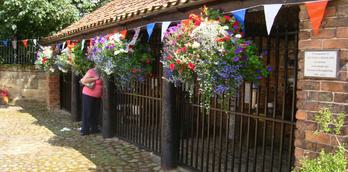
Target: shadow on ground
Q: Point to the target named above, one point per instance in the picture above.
(106, 154)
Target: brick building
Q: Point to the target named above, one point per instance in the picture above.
(272, 127)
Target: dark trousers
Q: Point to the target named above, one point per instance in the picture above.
(91, 107)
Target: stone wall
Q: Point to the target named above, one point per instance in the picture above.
(24, 82)
(314, 94)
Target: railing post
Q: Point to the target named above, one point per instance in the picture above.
(108, 102)
(75, 98)
(170, 140)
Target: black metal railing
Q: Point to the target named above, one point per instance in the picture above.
(138, 114)
(256, 131)
(20, 55)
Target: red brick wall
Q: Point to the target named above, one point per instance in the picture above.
(53, 98)
(314, 94)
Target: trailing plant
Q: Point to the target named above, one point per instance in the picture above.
(45, 59)
(80, 63)
(326, 161)
(210, 49)
(107, 53)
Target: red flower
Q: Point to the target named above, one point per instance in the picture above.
(44, 60)
(172, 66)
(191, 66)
(235, 23)
(178, 51)
(183, 49)
(134, 70)
(228, 18)
(178, 61)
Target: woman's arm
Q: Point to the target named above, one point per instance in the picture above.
(88, 79)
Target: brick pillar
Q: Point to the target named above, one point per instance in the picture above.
(53, 98)
(313, 94)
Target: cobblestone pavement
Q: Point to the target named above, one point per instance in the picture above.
(31, 140)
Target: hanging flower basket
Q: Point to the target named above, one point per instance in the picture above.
(45, 60)
(113, 58)
(210, 49)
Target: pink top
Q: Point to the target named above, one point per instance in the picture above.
(97, 90)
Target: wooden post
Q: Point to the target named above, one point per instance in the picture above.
(108, 111)
(75, 98)
(170, 139)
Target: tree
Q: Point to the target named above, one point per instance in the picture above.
(34, 18)
(38, 18)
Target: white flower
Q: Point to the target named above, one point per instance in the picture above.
(116, 37)
(196, 45)
(238, 36)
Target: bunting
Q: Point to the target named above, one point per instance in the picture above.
(124, 33)
(165, 26)
(239, 15)
(316, 12)
(5, 42)
(25, 43)
(35, 42)
(135, 36)
(271, 12)
(83, 44)
(149, 28)
(14, 44)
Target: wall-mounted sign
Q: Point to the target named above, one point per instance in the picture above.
(321, 64)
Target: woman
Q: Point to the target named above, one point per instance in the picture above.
(91, 98)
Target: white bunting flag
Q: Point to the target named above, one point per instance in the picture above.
(63, 46)
(165, 26)
(271, 12)
(134, 39)
(14, 44)
(83, 44)
(135, 36)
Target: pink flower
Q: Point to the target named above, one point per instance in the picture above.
(191, 66)
(178, 61)
(169, 57)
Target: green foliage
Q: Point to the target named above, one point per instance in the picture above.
(327, 162)
(37, 18)
(34, 18)
(80, 62)
(328, 123)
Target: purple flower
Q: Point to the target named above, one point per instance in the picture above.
(220, 89)
(238, 50)
(258, 71)
(265, 53)
(247, 43)
(236, 59)
(259, 77)
(269, 68)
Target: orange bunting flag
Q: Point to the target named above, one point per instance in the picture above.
(25, 43)
(124, 33)
(316, 12)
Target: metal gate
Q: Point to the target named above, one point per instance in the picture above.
(257, 132)
(138, 106)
